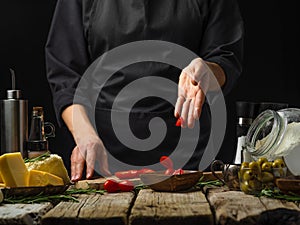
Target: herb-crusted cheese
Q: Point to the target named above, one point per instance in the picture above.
(41, 178)
(53, 164)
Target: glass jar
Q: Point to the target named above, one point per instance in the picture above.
(275, 134)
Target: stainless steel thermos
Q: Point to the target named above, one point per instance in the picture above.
(13, 122)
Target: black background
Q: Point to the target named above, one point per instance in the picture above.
(271, 58)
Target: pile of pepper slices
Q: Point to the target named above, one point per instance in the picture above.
(125, 184)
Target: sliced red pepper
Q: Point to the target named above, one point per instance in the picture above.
(111, 186)
(169, 171)
(145, 170)
(179, 122)
(126, 185)
(166, 162)
(128, 174)
(178, 172)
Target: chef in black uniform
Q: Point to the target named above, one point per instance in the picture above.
(83, 30)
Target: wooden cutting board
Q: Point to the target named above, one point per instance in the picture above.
(99, 182)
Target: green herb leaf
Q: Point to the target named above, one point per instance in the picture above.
(277, 194)
(39, 158)
(40, 198)
(202, 183)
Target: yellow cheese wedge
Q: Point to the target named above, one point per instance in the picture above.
(40, 178)
(2, 185)
(53, 164)
(13, 170)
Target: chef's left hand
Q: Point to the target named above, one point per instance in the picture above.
(192, 87)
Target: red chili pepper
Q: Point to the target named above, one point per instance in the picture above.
(179, 122)
(166, 162)
(169, 171)
(178, 172)
(126, 185)
(145, 170)
(111, 186)
(128, 174)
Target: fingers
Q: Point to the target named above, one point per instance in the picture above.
(185, 112)
(90, 162)
(189, 109)
(104, 164)
(178, 106)
(77, 164)
(184, 106)
(191, 119)
(199, 100)
(87, 156)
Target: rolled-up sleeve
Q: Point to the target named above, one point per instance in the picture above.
(222, 42)
(66, 54)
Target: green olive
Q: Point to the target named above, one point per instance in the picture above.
(266, 166)
(248, 175)
(278, 163)
(255, 185)
(255, 168)
(245, 165)
(261, 161)
(244, 186)
(267, 177)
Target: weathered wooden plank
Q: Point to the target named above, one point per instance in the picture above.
(166, 208)
(92, 209)
(271, 204)
(235, 207)
(12, 214)
(279, 212)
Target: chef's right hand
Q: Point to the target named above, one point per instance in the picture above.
(89, 150)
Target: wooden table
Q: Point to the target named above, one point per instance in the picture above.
(210, 206)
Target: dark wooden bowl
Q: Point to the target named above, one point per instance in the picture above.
(158, 181)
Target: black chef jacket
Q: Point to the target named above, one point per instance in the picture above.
(82, 30)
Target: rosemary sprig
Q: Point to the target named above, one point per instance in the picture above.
(202, 183)
(140, 187)
(39, 158)
(40, 198)
(73, 191)
(277, 194)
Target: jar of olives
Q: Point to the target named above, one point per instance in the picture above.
(275, 134)
(260, 174)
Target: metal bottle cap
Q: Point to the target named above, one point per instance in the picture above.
(13, 94)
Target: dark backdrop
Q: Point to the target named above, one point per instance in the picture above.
(270, 65)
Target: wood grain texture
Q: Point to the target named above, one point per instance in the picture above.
(235, 207)
(26, 214)
(166, 208)
(104, 209)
